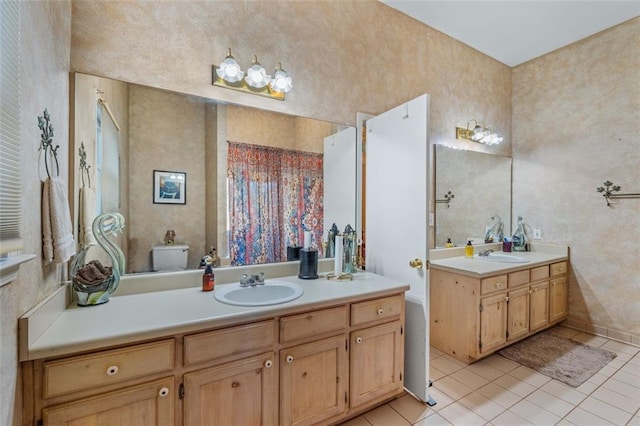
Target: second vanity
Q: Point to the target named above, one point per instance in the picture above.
(479, 306)
(178, 356)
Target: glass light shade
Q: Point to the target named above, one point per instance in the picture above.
(281, 82)
(229, 70)
(256, 75)
(478, 133)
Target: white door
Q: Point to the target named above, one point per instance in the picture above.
(396, 221)
(340, 180)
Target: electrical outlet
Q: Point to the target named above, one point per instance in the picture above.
(537, 235)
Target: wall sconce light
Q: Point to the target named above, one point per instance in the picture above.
(255, 80)
(480, 133)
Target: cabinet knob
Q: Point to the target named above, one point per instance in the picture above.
(235, 384)
(498, 285)
(268, 363)
(112, 371)
(380, 311)
(358, 339)
(553, 284)
(289, 359)
(164, 392)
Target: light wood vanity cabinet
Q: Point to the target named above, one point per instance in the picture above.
(472, 318)
(314, 367)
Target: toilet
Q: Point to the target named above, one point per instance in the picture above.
(170, 258)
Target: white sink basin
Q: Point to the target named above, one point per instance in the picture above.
(270, 293)
(505, 258)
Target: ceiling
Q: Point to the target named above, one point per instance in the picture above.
(516, 31)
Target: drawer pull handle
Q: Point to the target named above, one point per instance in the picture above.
(268, 363)
(112, 371)
(358, 339)
(498, 285)
(235, 384)
(289, 359)
(380, 311)
(164, 392)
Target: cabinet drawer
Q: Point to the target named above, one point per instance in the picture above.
(108, 367)
(376, 310)
(313, 323)
(518, 278)
(539, 273)
(218, 344)
(491, 284)
(558, 268)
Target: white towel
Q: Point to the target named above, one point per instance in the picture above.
(86, 215)
(58, 244)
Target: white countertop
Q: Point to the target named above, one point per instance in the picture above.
(134, 317)
(480, 268)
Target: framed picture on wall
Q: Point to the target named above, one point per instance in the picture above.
(169, 187)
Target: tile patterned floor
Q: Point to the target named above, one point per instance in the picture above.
(497, 391)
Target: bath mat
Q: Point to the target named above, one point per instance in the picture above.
(569, 362)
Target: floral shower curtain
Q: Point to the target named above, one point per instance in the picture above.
(275, 195)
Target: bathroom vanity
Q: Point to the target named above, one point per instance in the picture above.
(479, 306)
(180, 357)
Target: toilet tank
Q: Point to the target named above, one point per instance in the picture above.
(170, 258)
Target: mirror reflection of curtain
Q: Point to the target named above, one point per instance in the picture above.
(274, 196)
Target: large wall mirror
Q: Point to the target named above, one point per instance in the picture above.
(470, 188)
(159, 132)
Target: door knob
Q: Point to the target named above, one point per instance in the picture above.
(416, 263)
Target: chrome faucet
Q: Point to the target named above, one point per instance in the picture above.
(485, 252)
(252, 280)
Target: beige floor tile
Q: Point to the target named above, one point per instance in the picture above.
(433, 420)
(564, 331)
(441, 398)
(631, 369)
(411, 408)
(452, 387)
(622, 388)
(616, 347)
(626, 377)
(485, 370)
(606, 411)
(499, 395)
(635, 421)
(617, 362)
(534, 413)
(435, 352)
(635, 360)
(626, 403)
(587, 387)
(446, 364)
(608, 371)
(550, 403)
(500, 363)
(482, 406)
(564, 392)
(358, 421)
(581, 417)
(590, 339)
(458, 414)
(385, 416)
(529, 376)
(565, 422)
(514, 385)
(598, 379)
(434, 373)
(469, 378)
(509, 419)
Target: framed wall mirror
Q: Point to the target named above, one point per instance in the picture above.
(162, 130)
(470, 188)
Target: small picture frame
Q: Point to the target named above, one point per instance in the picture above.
(169, 187)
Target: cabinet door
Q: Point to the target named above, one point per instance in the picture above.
(518, 314)
(539, 306)
(313, 381)
(377, 355)
(147, 404)
(493, 322)
(558, 299)
(237, 393)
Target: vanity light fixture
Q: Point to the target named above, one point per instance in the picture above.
(255, 80)
(480, 133)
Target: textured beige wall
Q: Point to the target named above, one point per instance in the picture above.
(167, 132)
(45, 38)
(576, 113)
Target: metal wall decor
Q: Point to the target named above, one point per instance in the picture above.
(609, 191)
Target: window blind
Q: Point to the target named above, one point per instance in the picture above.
(10, 186)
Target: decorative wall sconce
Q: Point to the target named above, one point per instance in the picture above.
(609, 189)
(447, 198)
(480, 133)
(255, 80)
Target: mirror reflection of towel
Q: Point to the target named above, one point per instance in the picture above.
(86, 215)
(58, 244)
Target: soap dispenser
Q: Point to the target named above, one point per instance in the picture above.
(468, 250)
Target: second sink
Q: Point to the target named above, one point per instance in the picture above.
(270, 293)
